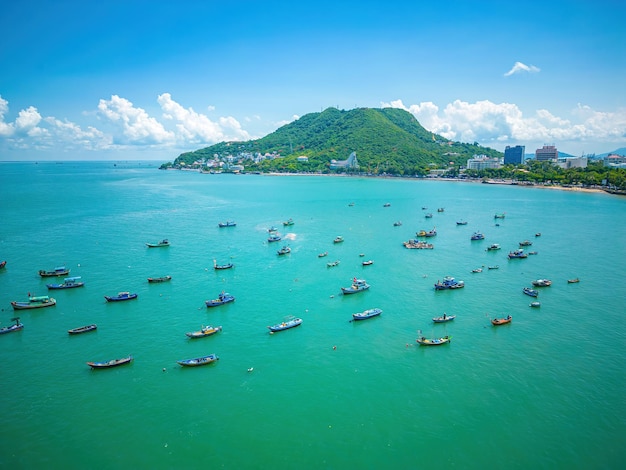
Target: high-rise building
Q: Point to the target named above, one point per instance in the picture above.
(514, 155)
(547, 153)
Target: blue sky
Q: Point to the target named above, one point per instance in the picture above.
(150, 79)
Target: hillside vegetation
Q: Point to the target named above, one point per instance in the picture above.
(385, 140)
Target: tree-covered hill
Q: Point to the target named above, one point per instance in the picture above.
(385, 140)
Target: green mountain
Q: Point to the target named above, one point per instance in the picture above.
(385, 140)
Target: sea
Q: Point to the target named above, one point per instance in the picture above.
(545, 391)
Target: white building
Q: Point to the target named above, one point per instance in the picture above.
(482, 162)
(574, 162)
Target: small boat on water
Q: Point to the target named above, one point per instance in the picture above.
(11, 328)
(34, 302)
(120, 297)
(370, 313)
(111, 363)
(535, 304)
(332, 264)
(3, 264)
(444, 318)
(68, 283)
(477, 236)
(441, 209)
(416, 244)
(573, 281)
(532, 252)
(288, 222)
(222, 266)
(198, 361)
(477, 270)
(517, 254)
(538, 234)
(159, 279)
(204, 332)
(321, 255)
(289, 322)
(501, 321)
(461, 222)
(338, 239)
(222, 299)
(274, 237)
(493, 267)
(529, 291)
(428, 215)
(542, 283)
(272, 229)
(427, 233)
(525, 243)
(449, 283)
(387, 204)
(493, 247)
(284, 250)
(358, 285)
(433, 341)
(82, 329)
(367, 263)
(59, 271)
(161, 244)
(499, 216)
(397, 224)
(228, 223)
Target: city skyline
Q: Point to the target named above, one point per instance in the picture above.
(149, 80)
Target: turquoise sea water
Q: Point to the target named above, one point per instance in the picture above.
(545, 391)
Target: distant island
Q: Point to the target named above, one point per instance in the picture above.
(379, 142)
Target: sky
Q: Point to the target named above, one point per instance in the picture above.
(148, 80)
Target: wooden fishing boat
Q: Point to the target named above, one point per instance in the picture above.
(501, 321)
(332, 264)
(68, 283)
(493, 267)
(370, 313)
(34, 302)
(3, 264)
(358, 285)
(204, 332)
(493, 247)
(321, 255)
(573, 281)
(529, 291)
(422, 341)
(444, 318)
(290, 322)
(120, 297)
(111, 363)
(198, 361)
(477, 236)
(222, 299)
(161, 244)
(59, 271)
(449, 283)
(82, 329)
(222, 266)
(159, 279)
(535, 304)
(11, 328)
(274, 237)
(284, 250)
(228, 223)
(338, 239)
(288, 222)
(542, 283)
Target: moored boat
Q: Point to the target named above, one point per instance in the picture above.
(82, 329)
(111, 363)
(428, 216)
(228, 223)
(59, 271)
(222, 299)
(427, 233)
(332, 264)
(449, 283)
(222, 266)
(3, 264)
(477, 236)
(529, 291)
(288, 222)
(501, 321)
(461, 222)
(444, 318)
(284, 250)
(121, 296)
(338, 239)
(517, 254)
(493, 247)
(535, 304)
(525, 243)
(542, 283)
(321, 255)
(367, 263)
(198, 361)
(204, 332)
(289, 322)
(573, 281)
(11, 328)
(358, 285)
(477, 270)
(422, 341)
(499, 216)
(159, 279)
(418, 245)
(274, 237)
(493, 267)
(163, 243)
(397, 223)
(369, 313)
(34, 302)
(68, 283)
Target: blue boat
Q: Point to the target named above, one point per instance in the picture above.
(68, 283)
(198, 361)
(222, 266)
(120, 297)
(274, 237)
(478, 236)
(284, 250)
(529, 291)
(111, 363)
(370, 313)
(434, 341)
(222, 299)
(11, 328)
(290, 322)
(358, 285)
(517, 254)
(449, 283)
(444, 318)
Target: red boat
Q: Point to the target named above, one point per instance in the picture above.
(501, 321)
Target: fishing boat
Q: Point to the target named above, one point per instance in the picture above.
(3, 264)
(272, 229)
(477, 236)
(433, 341)
(493, 247)
(321, 255)
(397, 224)
(538, 234)
(573, 281)
(529, 291)
(284, 250)
(427, 233)
(428, 215)
(290, 322)
(274, 237)
(289, 222)
(493, 267)
(461, 222)
(367, 263)
(161, 244)
(59, 271)
(111, 363)
(338, 239)
(222, 299)
(387, 204)
(82, 329)
(358, 285)
(121, 296)
(532, 252)
(332, 264)
(198, 361)
(11, 328)
(499, 216)
(501, 321)
(34, 302)
(159, 279)
(444, 318)
(204, 332)
(517, 254)
(542, 283)
(228, 223)
(418, 245)
(525, 243)
(535, 304)
(222, 266)
(370, 313)
(477, 270)
(68, 283)
(449, 283)
(441, 209)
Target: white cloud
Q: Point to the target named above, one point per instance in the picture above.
(5, 129)
(520, 67)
